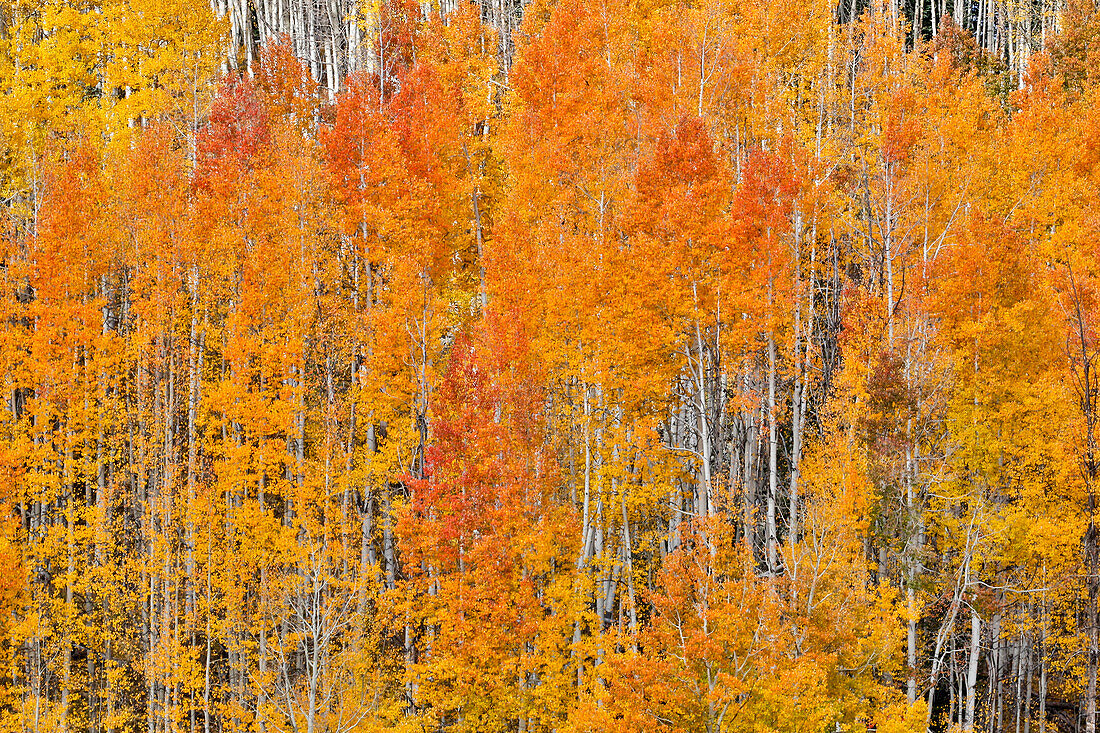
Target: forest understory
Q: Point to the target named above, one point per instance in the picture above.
(549, 365)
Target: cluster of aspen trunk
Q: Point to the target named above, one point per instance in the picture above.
(328, 35)
(677, 366)
(335, 38)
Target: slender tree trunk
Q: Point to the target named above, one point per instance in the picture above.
(1082, 365)
(772, 540)
(797, 397)
(972, 670)
(1028, 667)
(773, 463)
(750, 453)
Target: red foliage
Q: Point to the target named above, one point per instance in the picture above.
(285, 85)
(484, 466)
(237, 131)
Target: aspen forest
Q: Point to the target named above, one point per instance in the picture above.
(564, 366)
